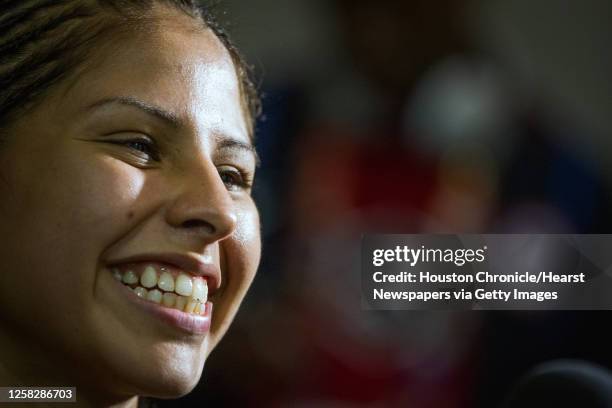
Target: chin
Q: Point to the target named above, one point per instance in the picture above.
(173, 388)
(167, 379)
(170, 385)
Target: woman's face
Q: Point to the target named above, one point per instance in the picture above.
(138, 161)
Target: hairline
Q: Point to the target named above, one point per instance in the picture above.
(116, 23)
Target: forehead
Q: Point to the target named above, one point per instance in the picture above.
(175, 63)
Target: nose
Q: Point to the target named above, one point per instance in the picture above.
(202, 206)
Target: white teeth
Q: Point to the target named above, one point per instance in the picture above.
(200, 290)
(117, 274)
(169, 299)
(193, 291)
(166, 282)
(154, 296)
(140, 292)
(149, 277)
(181, 301)
(130, 278)
(184, 285)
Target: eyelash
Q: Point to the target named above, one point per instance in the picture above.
(240, 179)
(150, 149)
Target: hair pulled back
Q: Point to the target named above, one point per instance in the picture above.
(43, 42)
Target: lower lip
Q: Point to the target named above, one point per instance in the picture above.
(187, 322)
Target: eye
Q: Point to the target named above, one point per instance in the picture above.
(235, 179)
(143, 147)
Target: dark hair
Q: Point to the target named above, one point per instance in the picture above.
(42, 42)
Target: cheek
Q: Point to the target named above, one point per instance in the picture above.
(82, 204)
(246, 241)
(239, 261)
(61, 217)
(102, 197)
(241, 253)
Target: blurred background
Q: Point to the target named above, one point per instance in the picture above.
(451, 116)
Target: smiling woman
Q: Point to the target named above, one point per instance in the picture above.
(126, 166)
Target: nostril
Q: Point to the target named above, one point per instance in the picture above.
(199, 224)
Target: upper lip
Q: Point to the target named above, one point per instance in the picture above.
(189, 263)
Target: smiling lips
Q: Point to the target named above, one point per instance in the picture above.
(165, 286)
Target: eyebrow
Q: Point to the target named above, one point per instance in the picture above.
(222, 142)
(231, 143)
(162, 114)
